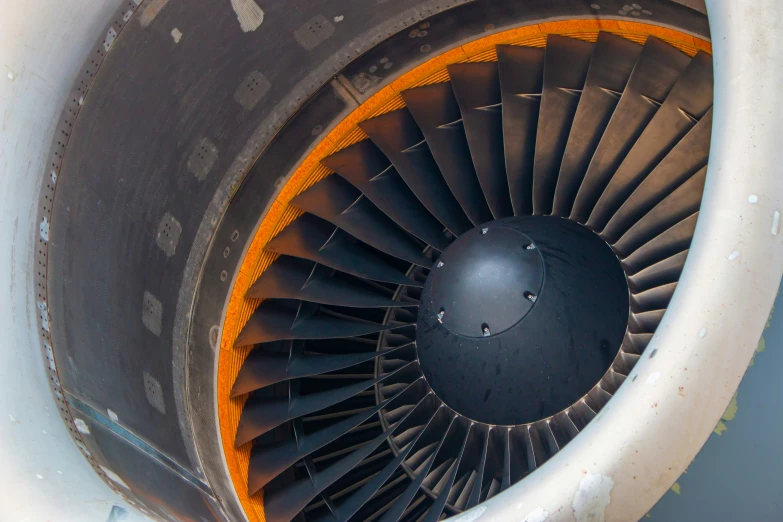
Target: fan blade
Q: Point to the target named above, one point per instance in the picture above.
(358, 499)
(435, 109)
(653, 299)
(401, 140)
(366, 168)
(645, 322)
(267, 462)
(338, 202)
(477, 89)
(611, 64)
(262, 369)
(661, 273)
(521, 71)
(681, 203)
(565, 71)
(283, 505)
(686, 157)
(310, 237)
(295, 278)
(658, 68)
(672, 241)
(475, 494)
(274, 322)
(433, 515)
(261, 415)
(400, 505)
(685, 107)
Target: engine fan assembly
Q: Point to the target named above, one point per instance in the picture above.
(462, 275)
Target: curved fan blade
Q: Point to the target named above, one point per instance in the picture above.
(475, 493)
(398, 508)
(283, 505)
(434, 513)
(310, 237)
(688, 103)
(358, 499)
(295, 278)
(646, 322)
(521, 72)
(653, 299)
(435, 109)
(364, 166)
(565, 71)
(339, 202)
(262, 369)
(678, 205)
(661, 273)
(687, 157)
(267, 462)
(658, 68)
(672, 241)
(278, 320)
(477, 89)
(611, 64)
(401, 140)
(260, 415)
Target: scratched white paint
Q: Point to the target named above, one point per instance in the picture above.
(702, 333)
(775, 223)
(592, 498)
(652, 378)
(734, 255)
(537, 515)
(250, 16)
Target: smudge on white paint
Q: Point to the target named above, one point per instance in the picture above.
(652, 378)
(592, 498)
(250, 16)
(734, 255)
(12, 419)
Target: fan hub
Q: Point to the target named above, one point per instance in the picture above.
(520, 318)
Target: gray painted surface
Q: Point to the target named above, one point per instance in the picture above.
(736, 476)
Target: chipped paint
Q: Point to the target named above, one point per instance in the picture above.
(114, 477)
(44, 315)
(338, 19)
(728, 415)
(250, 16)
(653, 378)
(753, 199)
(82, 426)
(734, 255)
(113, 416)
(702, 333)
(151, 10)
(111, 35)
(676, 488)
(470, 516)
(775, 223)
(760, 347)
(176, 34)
(537, 515)
(592, 498)
(43, 229)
